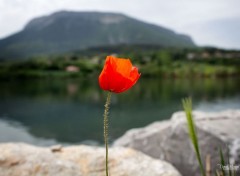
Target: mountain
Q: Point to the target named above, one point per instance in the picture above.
(67, 31)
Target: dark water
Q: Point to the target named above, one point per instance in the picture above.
(69, 111)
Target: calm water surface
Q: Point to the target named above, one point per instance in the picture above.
(69, 111)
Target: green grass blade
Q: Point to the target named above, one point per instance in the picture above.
(187, 105)
(222, 162)
(229, 171)
(234, 173)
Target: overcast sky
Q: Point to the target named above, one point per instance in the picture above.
(208, 22)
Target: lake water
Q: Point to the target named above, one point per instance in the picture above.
(69, 111)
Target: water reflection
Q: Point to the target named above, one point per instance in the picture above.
(70, 111)
(14, 131)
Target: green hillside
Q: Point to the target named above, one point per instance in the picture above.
(68, 31)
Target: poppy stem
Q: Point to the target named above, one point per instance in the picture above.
(105, 121)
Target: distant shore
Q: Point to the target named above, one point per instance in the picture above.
(152, 62)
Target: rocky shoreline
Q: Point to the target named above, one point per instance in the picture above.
(19, 159)
(165, 145)
(168, 140)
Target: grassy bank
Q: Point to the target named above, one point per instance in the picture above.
(151, 62)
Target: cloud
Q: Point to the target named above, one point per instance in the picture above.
(222, 32)
(181, 15)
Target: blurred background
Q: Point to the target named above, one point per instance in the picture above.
(51, 53)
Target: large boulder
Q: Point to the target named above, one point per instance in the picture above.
(169, 140)
(26, 160)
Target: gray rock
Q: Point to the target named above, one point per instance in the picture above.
(169, 139)
(25, 160)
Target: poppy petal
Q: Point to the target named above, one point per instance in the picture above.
(118, 75)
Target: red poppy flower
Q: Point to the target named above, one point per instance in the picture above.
(118, 75)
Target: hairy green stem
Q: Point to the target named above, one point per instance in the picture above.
(105, 121)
